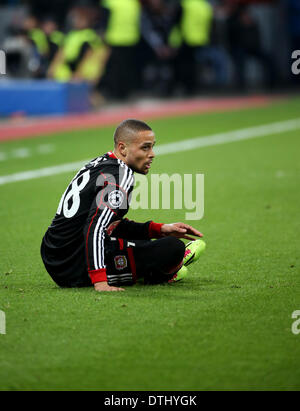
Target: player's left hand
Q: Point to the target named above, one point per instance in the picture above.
(180, 230)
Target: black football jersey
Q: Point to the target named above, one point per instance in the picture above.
(97, 198)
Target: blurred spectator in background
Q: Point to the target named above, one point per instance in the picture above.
(55, 8)
(27, 49)
(245, 42)
(213, 60)
(36, 35)
(54, 37)
(163, 47)
(19, 53)
(121, 27)
(191, 33)
(155, 53)
(294, 23)
(82, 57)
(38, 39)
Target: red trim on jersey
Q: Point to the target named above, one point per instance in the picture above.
(106, 183)
(111, 155)
(98, 276)
(112, 227)
(155, 230)
(104, 176)
(117, 185)
(121, 242)
(104, 204)
(132, 263)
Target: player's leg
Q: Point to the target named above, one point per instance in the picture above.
(154, 261)
(157, 261)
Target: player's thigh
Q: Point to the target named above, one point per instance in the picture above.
(160, 254)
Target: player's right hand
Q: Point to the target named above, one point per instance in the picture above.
(180, 230)
(103, 286)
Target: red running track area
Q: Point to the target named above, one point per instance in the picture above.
(16, 129)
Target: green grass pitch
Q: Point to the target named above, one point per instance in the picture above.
(227, 327)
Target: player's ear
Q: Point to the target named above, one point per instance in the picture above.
(122, 148)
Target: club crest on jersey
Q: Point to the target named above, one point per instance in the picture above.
(115, 198)
(120, 262)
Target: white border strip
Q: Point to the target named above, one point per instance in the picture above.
(184, 145)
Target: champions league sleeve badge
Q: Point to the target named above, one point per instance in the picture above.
(115, 198)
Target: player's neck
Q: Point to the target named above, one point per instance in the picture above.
(119, 156)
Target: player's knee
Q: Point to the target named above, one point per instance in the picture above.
(176, 248)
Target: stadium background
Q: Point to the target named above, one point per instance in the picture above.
(243, 46)
(228, 326)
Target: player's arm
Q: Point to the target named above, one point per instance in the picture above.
(132, 230)
(110, 203)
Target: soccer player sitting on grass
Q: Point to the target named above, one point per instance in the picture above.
(91, 243)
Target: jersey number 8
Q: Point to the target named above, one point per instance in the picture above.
(71, 208)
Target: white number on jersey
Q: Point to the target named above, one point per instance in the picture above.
(73, 194)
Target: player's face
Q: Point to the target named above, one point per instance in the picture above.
(140, 152)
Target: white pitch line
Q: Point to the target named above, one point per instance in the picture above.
(42, 172)
(184, 145)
